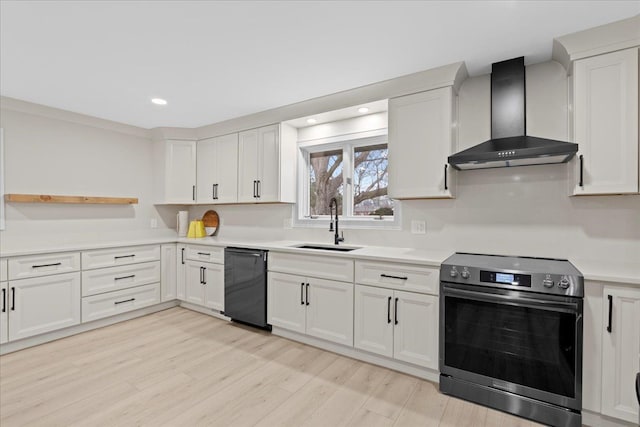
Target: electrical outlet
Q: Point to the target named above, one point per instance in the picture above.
(154, 223)
(418, 227)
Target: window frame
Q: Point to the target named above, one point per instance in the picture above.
(347, 143)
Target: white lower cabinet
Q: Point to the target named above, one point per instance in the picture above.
(43, 304)
(620, 352)
(317, 307)
(181, 272)
(398, 324)
(4, 313)
(111, 303)
(204, 284)
(168, 274)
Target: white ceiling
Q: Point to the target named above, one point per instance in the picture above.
(218, 60)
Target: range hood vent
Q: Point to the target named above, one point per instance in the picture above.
(509, 144)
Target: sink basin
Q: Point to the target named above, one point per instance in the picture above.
(335, 248)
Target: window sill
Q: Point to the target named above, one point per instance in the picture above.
(347, 224)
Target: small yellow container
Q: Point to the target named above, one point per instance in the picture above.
(196, 229)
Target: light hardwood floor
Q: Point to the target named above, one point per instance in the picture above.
(181, 368)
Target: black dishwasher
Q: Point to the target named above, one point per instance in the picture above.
(245, 286)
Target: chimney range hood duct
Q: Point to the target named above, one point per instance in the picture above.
(509, 144)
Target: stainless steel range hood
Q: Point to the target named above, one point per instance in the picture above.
(509, 144)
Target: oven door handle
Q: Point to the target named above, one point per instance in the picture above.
(520, 301)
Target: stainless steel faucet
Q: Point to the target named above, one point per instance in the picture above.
(337, 237)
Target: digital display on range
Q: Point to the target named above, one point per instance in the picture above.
(505, 278)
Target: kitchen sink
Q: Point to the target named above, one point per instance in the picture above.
(335, 248)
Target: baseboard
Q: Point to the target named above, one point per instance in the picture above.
(204, 310)
(12, 346)
(354, 353)
(593, 419)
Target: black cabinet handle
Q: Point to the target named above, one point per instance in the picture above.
(213, 191)
(46, 265)
(610, 312)
(389, 310)
(581, 184)
(395, 312)
(201, 275)
(302, 293)
(204, 253)
(307, 294)
(446, 187)
(394, 277)
(13, 298)
(4, 300)
(217, 192)
(123, 256)
(204, 275)
(255, 193)
(122, 302)
(125, 277)
(193, 192)
(258, 189)
(182, 255)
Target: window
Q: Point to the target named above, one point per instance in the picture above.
(355, 172)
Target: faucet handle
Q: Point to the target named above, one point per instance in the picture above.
(331, 226)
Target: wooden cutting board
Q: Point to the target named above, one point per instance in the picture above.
(211, 219)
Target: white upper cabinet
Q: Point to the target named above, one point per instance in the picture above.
(266, 165)
(421, 137)
(217, 167)
(605, 108)
(175, 171)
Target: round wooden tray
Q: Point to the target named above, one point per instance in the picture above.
(211, 222)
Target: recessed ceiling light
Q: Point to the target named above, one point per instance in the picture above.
(363, 110)
(311, 121)
(159, 101)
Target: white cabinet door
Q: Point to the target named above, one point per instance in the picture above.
(247, 165)
(227, 169)
(180, 172)
(168, 272)
(420, 140)
(207, 172)
(373, 320)
(416, 329)
(181, 272)
(213, 277)
(4, 313)
(268, 164)
(620, 352)
(330, 310)
(286, 306)
(217, 180)
(43, 304)
(606, 123)
(194, 285)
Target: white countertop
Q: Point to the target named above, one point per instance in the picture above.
(628, 273)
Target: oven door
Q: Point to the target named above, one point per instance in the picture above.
(524, 343)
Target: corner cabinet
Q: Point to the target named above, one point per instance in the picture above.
(605, 109)
(421, 137)
(266, 164)
(175, 171)
(217, 170)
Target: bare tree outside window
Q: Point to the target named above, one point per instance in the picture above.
(325, 181)
(369, 179)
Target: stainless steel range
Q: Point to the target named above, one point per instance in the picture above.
(511, 335)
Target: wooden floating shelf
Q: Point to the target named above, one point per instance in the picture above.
(46, 198)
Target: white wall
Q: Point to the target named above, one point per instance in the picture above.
(47, 154)
(522, 211)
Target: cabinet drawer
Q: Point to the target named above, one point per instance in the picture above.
(3, 270)
(112, 303)
(205, 253)
(121, 277)
(43, 265)
(119, 256)
(332, 268)
(398, 276)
